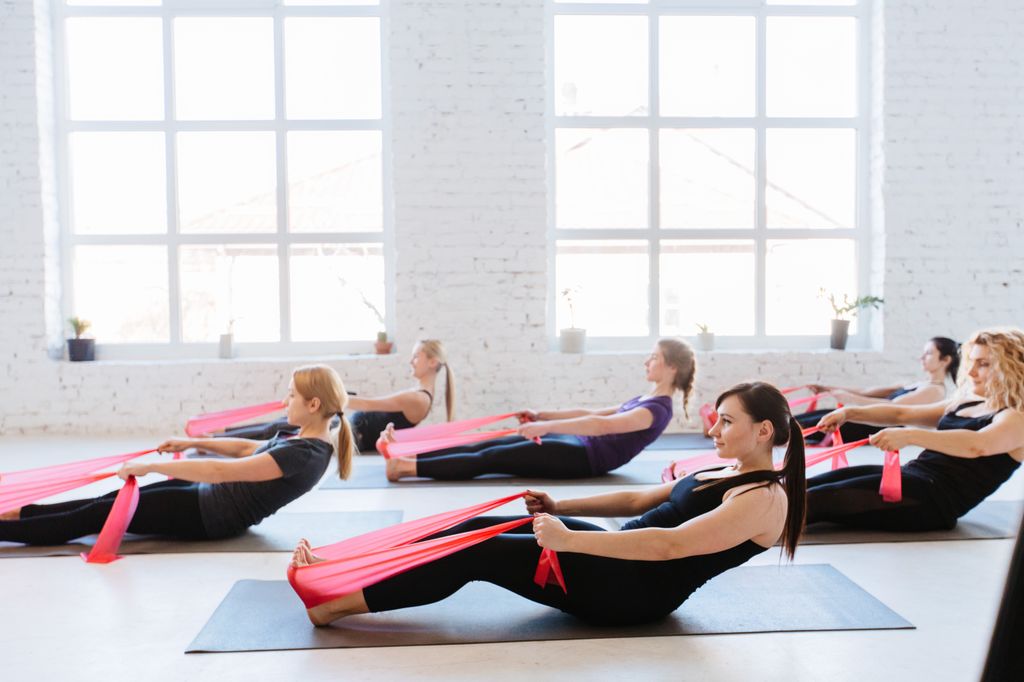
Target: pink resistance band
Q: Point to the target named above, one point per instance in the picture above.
(116, 525)
(419, 439)
(365, 560)
(205, 424)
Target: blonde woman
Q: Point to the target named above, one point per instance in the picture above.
(405, 409)
(218, 498)
(978, 444)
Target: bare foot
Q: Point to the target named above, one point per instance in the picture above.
(12, 515)
(399, 467)
(303, 555)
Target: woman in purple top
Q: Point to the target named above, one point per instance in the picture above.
(574, 443)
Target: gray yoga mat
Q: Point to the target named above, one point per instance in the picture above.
(266, 615)
(990, 520)
(278, 533)
(371, 475)
(682, 441)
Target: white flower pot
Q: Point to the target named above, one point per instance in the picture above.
(227, 346)
(706, 341)
(572, 340)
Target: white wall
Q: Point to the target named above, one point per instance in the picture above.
(470, 211)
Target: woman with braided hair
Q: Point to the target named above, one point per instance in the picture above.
(575, 443)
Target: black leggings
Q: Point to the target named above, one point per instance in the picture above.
(168, 508)
(849, 496)
(261, 431)
(600, 590)
(850, 431)
(557, 456)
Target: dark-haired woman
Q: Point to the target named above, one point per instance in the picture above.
(574, 443)
(687, 532)
(939, 359)
(973, 444)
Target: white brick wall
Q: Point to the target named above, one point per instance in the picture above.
(470, 210)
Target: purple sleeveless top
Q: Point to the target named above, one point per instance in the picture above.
(612, 451)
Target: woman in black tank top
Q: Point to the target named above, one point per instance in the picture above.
(939, 359)
(688, 532)
(977, 446)
(405, 409)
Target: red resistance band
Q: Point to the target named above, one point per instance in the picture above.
(358, 562)
(205, 424)
(418, 439)
(31, 485)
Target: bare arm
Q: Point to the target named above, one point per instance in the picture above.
(873, 392)
(262, 467)
(228, 447)
(755, 514)
(551, 415)
(1004, 434)
(637, 419)
(888, 414)
(413, 403)
(620, 503)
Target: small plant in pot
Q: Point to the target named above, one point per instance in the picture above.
(840, 323)
(705, 337)
(572, 339)
(79, 349)
(383, 346)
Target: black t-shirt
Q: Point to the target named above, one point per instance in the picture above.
(229, 508)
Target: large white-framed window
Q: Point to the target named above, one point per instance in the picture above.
(709, 164)
(224, 167)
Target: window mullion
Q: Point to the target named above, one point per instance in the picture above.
(654, 178)
(171, 166)
(760, 175)
(280, 138)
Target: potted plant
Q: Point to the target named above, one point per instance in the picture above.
(706, 337)
(840, 324)
(383, 346)
(227, 341)
(572, 339)
(80, 349)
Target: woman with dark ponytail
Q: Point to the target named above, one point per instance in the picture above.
(686, 532)
(940, 360)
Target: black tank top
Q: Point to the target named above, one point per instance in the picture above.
(898, 392)
(686, 502)
(961, 482)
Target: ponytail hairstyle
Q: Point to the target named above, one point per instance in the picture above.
(433, 349)
(764, 402)
(321, 381)
(679, 355)
(948, 348)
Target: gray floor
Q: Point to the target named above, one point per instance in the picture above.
(63, 619)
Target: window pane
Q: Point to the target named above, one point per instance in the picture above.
(707, 178)
(337, 292)
(122, 290)
(118, 183)
(601, 178)
(229, 287)
(811, 178)
(707, 66)
(330, 3)
(334, 182)
(795, 272)
(332, 67)
(224, 68)
(691, 290)
(600, 66)
(811, 66)
(226, 182)
(609, 281)
(115, 69)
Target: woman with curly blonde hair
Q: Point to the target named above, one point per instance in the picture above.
(978, 444)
